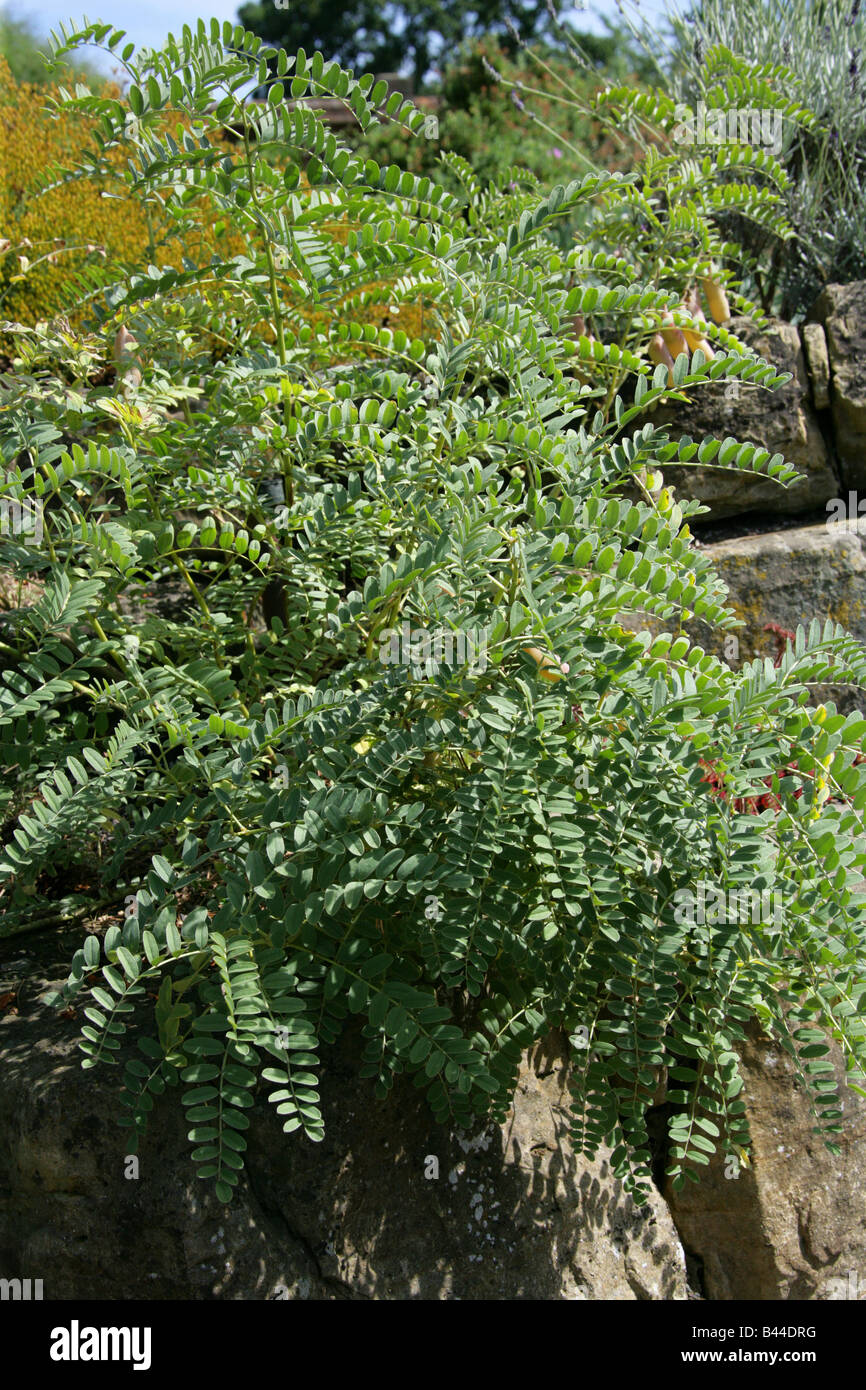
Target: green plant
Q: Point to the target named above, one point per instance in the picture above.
(481, 123)
(27, 55)
(707, 206)
(341, 782)
(814, 51)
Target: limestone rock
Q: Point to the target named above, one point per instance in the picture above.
(512, 1213)
(782, 421)
(842, 310)
(793, 1225)
(790, 577)
(818, 363)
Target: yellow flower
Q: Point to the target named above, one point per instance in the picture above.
(664, 502)
(822, 790)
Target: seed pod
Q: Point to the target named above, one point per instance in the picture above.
(691, 306)
(674, 337)
(128, 370)
(659, 355)
(696, 339)
(124, 343)
(578, 323)
(717, 300)
(549, 667)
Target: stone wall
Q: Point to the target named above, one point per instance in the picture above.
(791, 554)
(392, 1205)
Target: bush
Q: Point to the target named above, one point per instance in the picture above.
(716, 156)
(479, 121)
(51, 229)
(328, 696)
(814, 52)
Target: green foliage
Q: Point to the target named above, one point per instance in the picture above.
(28, 56)
(815, 51)
(478, 121)
(328, 690)
(699, 204)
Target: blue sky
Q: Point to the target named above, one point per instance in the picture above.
(148, 22)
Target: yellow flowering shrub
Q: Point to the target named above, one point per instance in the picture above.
(75, 223)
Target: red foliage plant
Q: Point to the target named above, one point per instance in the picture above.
(754, 805)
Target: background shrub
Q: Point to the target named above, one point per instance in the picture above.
(815, 51)
(480, 121)
(65, 226)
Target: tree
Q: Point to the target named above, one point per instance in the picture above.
(405, 36)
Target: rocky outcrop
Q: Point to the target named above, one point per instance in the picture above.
(817, 421)
(792, 576)
(793, 1224)
(391, 1205)
(782, 421)
(817, 363)
(842, 311)
(788, 578)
